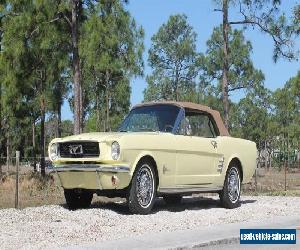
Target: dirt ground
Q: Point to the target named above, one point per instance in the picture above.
(272, 182)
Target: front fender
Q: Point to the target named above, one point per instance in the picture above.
(138, 158)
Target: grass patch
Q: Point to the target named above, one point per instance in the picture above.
(272, 182)
(34, 190)
(295, 193)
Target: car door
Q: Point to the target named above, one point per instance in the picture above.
(197, 157)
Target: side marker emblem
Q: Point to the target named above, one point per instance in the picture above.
(221, 165)
(165, 169)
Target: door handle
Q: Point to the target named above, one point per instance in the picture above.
(214, 143)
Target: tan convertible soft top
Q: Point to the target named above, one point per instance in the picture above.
(194, 106)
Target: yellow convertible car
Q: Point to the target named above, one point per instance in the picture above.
(162, 149)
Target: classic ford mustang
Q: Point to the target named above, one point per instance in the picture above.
(166, 149)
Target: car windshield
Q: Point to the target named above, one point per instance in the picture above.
(150, 118)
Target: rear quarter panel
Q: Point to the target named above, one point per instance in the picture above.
(244, 150)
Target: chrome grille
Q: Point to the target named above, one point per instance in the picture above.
(79, 149)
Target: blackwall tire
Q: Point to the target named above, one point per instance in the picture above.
(230, 195)
(142, 191)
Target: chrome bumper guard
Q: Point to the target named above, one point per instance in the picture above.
(97, 168)
(89, 168)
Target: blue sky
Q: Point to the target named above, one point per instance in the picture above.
(151, 14)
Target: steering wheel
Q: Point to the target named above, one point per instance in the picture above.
(168, 128)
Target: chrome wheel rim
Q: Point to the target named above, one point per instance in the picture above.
(145, 186)
(234, 185)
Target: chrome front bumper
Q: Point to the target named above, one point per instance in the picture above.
(91, 176)
(89, 168)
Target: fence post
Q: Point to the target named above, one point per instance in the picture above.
(17, 179)
(255, 179)
(7, 158)
(285, 181)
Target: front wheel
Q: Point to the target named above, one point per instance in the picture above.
(230, 195)
(78, 198)
(142, 191)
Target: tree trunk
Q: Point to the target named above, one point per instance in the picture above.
(42, 139)
(298, 156)
(1, 122)
(107, 111)
(1, 129)
(288, 152)
(225, 64)
(266, 155)
(98, 112)
(33, 146)
(59, 120)
(103, 113)
(7, 150)
(176, 84)
(76, 67)
(107, 100)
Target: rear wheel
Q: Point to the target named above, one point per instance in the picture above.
(172, 199)
(142, 191)
(230, 195)
(78, 198)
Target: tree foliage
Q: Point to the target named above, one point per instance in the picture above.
(33, 60)
(267, 17)
(172, 57)
(286, 108)
(264, 15)
(88, 52)
(250, 116)
(111, 49)
(260, 114)
(242, 73)
(37, 68)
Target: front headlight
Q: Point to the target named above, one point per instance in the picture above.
(53, 151)
(115, 150)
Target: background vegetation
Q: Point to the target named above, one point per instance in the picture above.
(86, 52)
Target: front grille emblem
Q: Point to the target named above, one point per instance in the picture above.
(75, 149)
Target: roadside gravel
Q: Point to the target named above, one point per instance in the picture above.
(56, 226)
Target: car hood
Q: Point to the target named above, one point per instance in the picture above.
(100, 136)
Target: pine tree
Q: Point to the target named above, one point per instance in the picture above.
(264, 15)
(34, 60)
(111, 49)
(241, 74)
(172, 57)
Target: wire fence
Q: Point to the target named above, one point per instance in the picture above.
(21, 183)
(277, 172)
(26, 164)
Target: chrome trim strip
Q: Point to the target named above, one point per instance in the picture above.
(99, 180)
(189, 190)
(58, 177)
(179, 117)
(89, 168)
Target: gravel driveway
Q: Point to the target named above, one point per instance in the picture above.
(56, 226)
